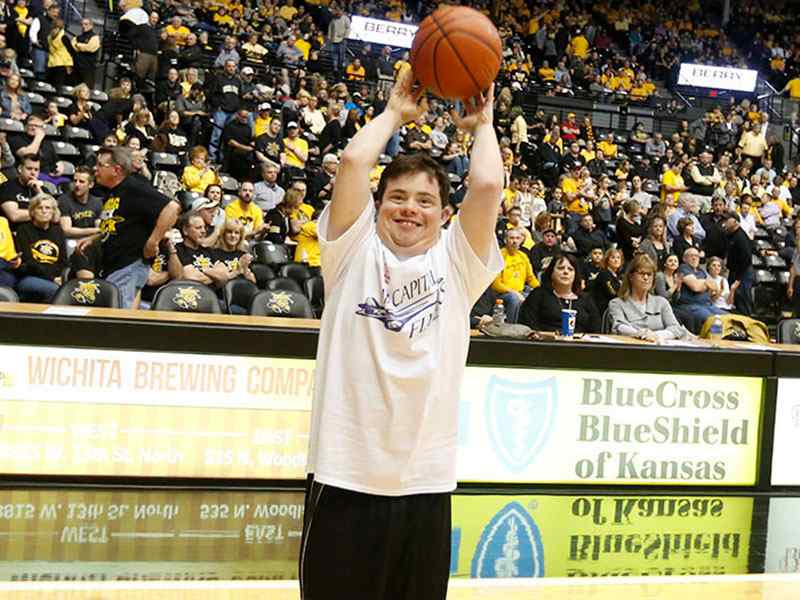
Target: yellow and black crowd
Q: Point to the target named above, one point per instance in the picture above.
(198, 141)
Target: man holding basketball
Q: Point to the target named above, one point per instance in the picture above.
(392, 348)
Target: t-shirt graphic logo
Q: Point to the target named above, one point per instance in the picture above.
(201, 261)
(86, 292)
(108, 221)
(416, 302)
(510, 546)
(45, 252)
(519, 417)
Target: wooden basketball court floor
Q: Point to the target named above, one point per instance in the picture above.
(725, 587)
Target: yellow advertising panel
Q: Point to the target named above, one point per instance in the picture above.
(68, 411)
(136, 535)
(597, 536)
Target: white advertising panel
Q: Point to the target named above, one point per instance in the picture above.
(378, 31)
(786, 446)
(783, 536)
(718, 78)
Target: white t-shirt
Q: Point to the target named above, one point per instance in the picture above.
(392, 348)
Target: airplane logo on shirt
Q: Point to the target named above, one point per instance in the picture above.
(395, 319)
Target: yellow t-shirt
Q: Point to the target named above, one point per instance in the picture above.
(22, 13)
(400, 67)
(286, 12)
(303, 46)
(517, 271)
(609, 150)
(794, 88)
(579, 46)
(547, 74)
(291, 159)
(671, 179)
(307, 250)
(304, 208)
(356, 74)
(179, 33)
(249, 215)
(194, 182)
(7, 250)
(261, 126)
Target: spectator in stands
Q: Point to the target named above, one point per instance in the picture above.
(14, 100)
(231, 251)
(516, 280)
(687, 208)
(225, 102)
(655, 244)
(39, 33)
(10, 259)
(672, 184)
(704, 178)
(168, 90)
(686, 238)
(739, 263)
(239, 146)
(193, 111)
(199, 174)
(725, 298)
(793, 286)
(269, 145)
(247, 212)
(297, 151)
(608, 281)
(561, 289)
(588, 236)
(145, 40)
(87, 49)
(268, 194)
(321, 185)
(640, 313)
(44, 251)
(16, 194)
(228, 53)
(191, 260)
(695, 291)
(278, 221)
(715, 243)
(630, 230)
(134, 220)
(338, 30)
(80, 211)
(668, 282)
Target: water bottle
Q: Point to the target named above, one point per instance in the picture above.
(715, 332)
(499, 312)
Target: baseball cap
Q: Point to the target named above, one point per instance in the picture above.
(264, 106)
(247, 71)
(291, 124)
(204, 202)
(330, 158)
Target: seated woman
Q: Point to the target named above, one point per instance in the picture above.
(231, 250)
(561, 289)
(198, 175)
(43, 247)
(685, 239)
(637, 311)
(607, 283)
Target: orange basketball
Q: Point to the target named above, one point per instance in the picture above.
(456, 52)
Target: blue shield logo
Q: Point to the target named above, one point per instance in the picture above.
(519, 417)
(510, 546)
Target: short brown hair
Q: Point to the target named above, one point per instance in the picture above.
(415, 163)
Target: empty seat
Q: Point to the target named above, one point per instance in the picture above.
(186, 296)
(88, 292)
(239, 292)
(268, 253)
(263, 274)
(186, 199)
(228, 184)
(61, 102)
(40, 87)
(11, 126)
(284, 283)
(315, 292)
(297, 271)
(65, 149)
(76, 133)
(164, 161)
(764, 276)
(788, 331)
(281, 303)
(67, 168)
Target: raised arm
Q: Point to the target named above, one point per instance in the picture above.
(351, 192)
(478, 212)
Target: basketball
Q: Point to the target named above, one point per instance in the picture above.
(456, 52)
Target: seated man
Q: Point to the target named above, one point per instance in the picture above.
(244, 210)
(516, 279)
(695, 303)
(588, 236)
(190, 260)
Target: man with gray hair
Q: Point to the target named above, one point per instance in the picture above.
(268, 194)
(134, 220)
(687, 207)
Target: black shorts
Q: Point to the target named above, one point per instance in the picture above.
(365, 547)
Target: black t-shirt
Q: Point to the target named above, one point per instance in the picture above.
(230, 259)
(239, 132)
(542, 311)
(44, 251)
(271, 147)
(127, 220)
(46, 151)
(277, 226)
(82, 214)
(200, 258)
(13, 191)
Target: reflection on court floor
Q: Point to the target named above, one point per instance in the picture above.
(742, 587)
